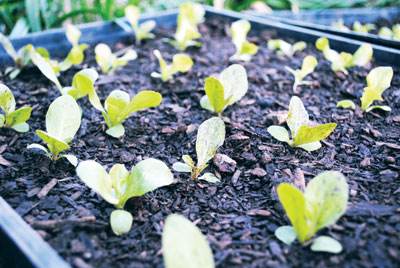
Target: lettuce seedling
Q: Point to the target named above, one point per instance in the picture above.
(180, 63)
(230, 87)
(309, 63)
(322, 204)
(340, 25)
(378, 80)
(284, 48)
(244, 49)
(15, 119)
(210, 137)
(394, 33)
(190, 15)
(109, 61)
(344, 60)
(63, 120)
(183, 244)
(75, 56)
(303, 136)
(118, 186)
(346, 104)
(143, 30)
(360, 28)
(118, 107)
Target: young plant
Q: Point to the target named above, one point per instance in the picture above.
(63, 120)
(118, 186)
(15, 119)
(309, 63)
(360, 28)
(118, 107)
(230, 87)
(190, 15)
(303, 136)
(340, 25)
(180, 63)
(284, 48)
(183, 244)
(344, 60)
(143, 30)
(210, 137)
(75, 55)
(109, 61)
(378, 80)
(244, 49)
(394, 33)
(322, 204)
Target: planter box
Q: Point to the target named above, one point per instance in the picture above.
(29, 249)
(322, 20)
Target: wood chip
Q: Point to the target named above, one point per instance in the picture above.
(4, 162)
(46, 189)
(390, 145)
(299, 180)
(56, 224)
(259, 212)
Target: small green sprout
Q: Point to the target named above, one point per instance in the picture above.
(210, 137)
(75, 56)
(344, 60)
(118, 107)
(15, 119)
(183, 245)
(360, 28)
(63, 120)
(303, 136)
(109, 61)
(230, 87)
(394, 33)
(244, 49)
(180, 63)
(143, 30)
(284, 48)
(118, 186)
(190, 15)
(378, 80)
(309, 63)
(340, 25)
(322, 204)
(346, 104)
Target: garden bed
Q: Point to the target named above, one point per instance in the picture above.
(238, 215)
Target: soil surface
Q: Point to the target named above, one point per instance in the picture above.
(238, 215)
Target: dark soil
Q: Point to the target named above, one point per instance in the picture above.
(238, 215)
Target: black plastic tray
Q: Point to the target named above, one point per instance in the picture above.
(322, 20)
(19, 243)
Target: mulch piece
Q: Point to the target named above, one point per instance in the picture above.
(238, 215)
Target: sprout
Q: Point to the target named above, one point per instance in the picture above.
(378, 80)
(180, 63)
(340, 25)
(307, 67)
(109, 61)
(284, 48)
(360, 28)
(143, 30)
(244, 49)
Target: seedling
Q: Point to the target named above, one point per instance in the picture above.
(244, 49)
(284, 48)
(210, 137)
(360, 28)
(118, 107)
(118, 186)
(346, 104)
(322, 204)
(308, 66)
(15, 119)
(109, 61)
(75, 56)
(344, 60)
(183, 244)
(190, 15)
(340, 25)
(62, 122)
(303, 136)
(378, 80)
(390, 33)
(143, 30)
(180, 63)
(230, 87)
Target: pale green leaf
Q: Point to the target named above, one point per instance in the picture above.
(188, 160)
(382, 107)
(83, 84)
(40, 147)
(312, 134)
(298, 46)
(183, 245)
(97, 179)
(18, 116)
(117, 101)
(346, 104)
(71, 158)
(181, 167)
(191, 12)
(368, 97)
(142, 100)
(279, 133)
(347, 59)
(46, 68)
(210, 137)
(363, 55)
(239, 30)
(145, 28)
(119, 177)
(234, 82)
(8, 47)
(54, 144)
(121, 221)
(2, 120)
(73, 34)
(116, 131)
(309, 64)
(128, 56)
(297, 115)
(215, 94)
(248, 49)
(385, 32)
(7, 101)
(104, 57)
(209, 177)
(132, 15)
(181, 63)
(205, 103)
(379, 78)
(166, 71)
(286, 234)
(326, 244)
(309, 147)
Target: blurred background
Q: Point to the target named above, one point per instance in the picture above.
(18, 17)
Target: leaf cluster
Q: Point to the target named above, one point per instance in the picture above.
(180, 63)
(244, 49)
(340, 25)
(394, 33)
(284, 48)
(308, 66)
(378, 80)
(143, 30)
(109, 61)
(363, 28)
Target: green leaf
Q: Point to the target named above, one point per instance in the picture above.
(346, 104)
(297, 115)
(18, 116)
(294, 203)
(326, 244)
(132, 15)
(181, 63)
(209, 177)
(97, 179)
(327, 195)
(104, 57)
(142, 100)
(183, 245)
(119, 177)
(234, 82)
(21, 127)
(2, 120)
(73, 34)
(7, 101)
(309, 147)
(46, 68)
(322, 43)
(385, 32)
(117, 101)
(368, 97)
(32, 8)
(63, 118)
(286, 234)
(215, 94)
(311, 134)
(363, 55)
(116, 131)
(71, 158)
(299, 46)
(8, 47)
(188, 160)
(40, 147)
(83, 84)
(129, 55)
(279, 133)
(384, 108)
(121, 221)
(181, 167)
(145, 29)
(210, 137)
(309, 64)
(205, 103)
(379, 78)
(239, 30)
